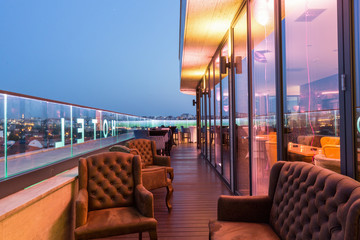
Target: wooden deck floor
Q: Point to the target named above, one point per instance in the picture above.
(196, 190)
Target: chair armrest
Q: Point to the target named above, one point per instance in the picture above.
(81, 205)
(244, 208)
(144, 201)
(153, 178)
(134, 151)
(162, 161)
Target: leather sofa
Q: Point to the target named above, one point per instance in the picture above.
(304, 202)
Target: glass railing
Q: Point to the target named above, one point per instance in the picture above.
(38, 132)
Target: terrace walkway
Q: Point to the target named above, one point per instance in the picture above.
(196, 190)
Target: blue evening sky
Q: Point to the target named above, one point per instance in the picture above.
(111, 54)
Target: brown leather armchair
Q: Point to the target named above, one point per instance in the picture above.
(112, 200)
(152, 178)
(147, 150)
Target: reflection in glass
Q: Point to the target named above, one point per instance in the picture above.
(35, 133)
(241, 106)
(202, 129)
(3, 133)
(225, 138)
(36, 127)
(311, 79)
(211, 114)
(264, 99)
(208, 117)
(217, 109)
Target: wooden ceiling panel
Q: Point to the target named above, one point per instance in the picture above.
(207, 21)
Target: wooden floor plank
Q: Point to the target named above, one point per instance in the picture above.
(196, 190)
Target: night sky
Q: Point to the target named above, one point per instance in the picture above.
(111, 54)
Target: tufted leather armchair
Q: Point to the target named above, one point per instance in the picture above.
(112, 200)
(147, 150)
(153, 178)
(304, 202)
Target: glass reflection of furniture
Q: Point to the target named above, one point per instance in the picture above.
(301, 152)
(259, 153)
(329, 157)
(225, 135)
(271, 149)
(305, 148)
(242, 158)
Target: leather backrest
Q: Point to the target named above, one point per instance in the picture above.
(310, 202)
(146, 150)
(331, 151)
(310, 140)
(330, 141)
(110, 179)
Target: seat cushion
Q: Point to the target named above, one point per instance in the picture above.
(114, 221)
(168, 169)
(240, 230)
(154, 178)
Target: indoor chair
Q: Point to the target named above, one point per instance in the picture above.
(112, 200)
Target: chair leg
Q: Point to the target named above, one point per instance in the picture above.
(140, 235)
(153, 235)
(169, 192)
(171, 175)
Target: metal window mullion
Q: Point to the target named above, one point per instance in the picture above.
(232, 139)
(281, 145)
(250, 94)
(347, 95)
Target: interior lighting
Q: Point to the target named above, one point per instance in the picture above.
(263, 10)
(330, 92)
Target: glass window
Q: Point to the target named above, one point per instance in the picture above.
(357, 71)
(241, 106)
(108, 126)
(38, 133)
(263, 94)
(311, 94)
(208, 117)
(123, 127)
(3, 133)
(84, 130)
(217, 109)
(202, 131)
(211, 114)
(225, 138)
